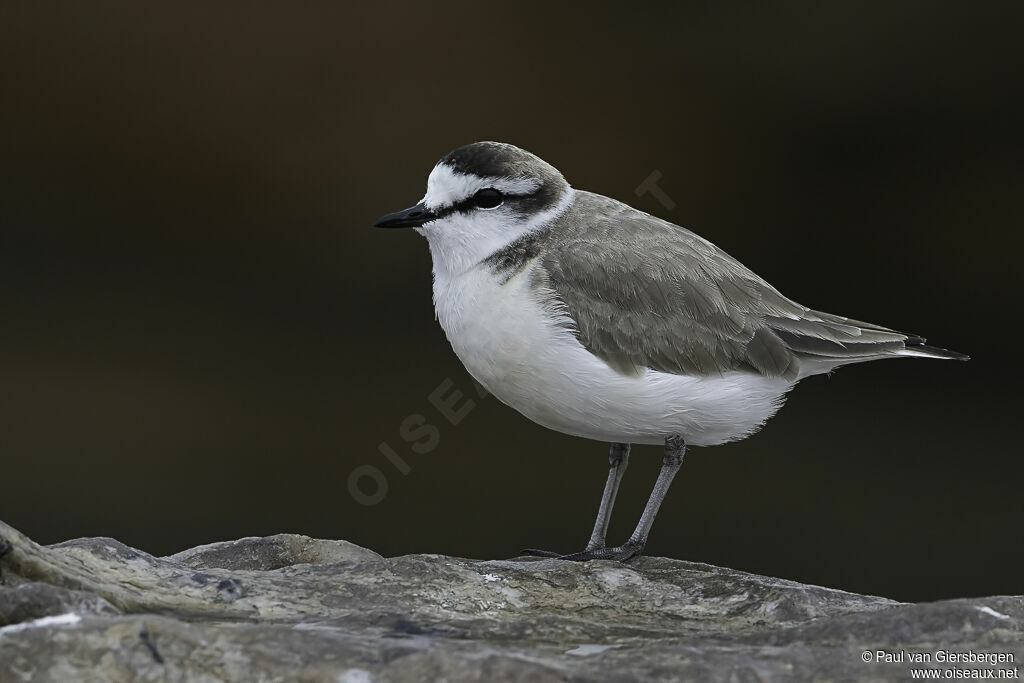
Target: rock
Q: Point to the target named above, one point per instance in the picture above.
(272, 552)
(288, 608)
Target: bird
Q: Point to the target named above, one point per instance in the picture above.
(601, 321)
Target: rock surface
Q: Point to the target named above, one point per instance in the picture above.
(292, 608)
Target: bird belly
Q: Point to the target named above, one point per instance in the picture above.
(524, 352)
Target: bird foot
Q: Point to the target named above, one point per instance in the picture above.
(626, 551)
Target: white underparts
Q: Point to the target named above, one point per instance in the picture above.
(527, 356)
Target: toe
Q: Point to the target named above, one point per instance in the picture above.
(626, 551)
(594, 554)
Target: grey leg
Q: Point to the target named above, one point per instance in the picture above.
(618, 460)
(675, 449)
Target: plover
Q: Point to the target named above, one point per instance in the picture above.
(601, 321)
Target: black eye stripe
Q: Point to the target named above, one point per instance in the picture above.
(469, 204)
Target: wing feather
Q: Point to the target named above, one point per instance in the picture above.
(644, 293)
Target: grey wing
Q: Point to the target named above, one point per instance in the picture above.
(644, 293)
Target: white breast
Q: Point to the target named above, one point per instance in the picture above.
(528, 357)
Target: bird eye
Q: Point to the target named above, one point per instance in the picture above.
(488, 199)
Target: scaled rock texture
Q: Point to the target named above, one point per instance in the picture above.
(291, 608)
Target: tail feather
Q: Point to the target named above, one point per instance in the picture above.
(823, 341)
(925, 351)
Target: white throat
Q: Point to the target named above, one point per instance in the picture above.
(460, 241)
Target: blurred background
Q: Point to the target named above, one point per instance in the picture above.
(202, 337)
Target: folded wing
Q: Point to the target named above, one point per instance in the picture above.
(644, 293)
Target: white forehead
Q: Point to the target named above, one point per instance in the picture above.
(446, 186)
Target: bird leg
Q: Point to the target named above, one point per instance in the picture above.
(618, 459)
(675, 449)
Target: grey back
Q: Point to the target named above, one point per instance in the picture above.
(645, 293)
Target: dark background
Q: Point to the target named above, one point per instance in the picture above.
(202, 336)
